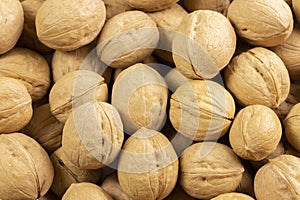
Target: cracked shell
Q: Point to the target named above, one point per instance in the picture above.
(258, 76)
(201, 109)
(26, 171)
(292, 126)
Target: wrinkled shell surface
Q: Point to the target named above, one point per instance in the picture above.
(296, 9)
(93, 135)
(233, 196)
(208, 169)
(151, 5)
(69, 24)
(278, 179)
(204, 44)
(258, 76)
(26, 171)
(292, 126)
(85, 191)
(15, 105)
(75, 89)
(148, 166)
(45, 128)
(66, 173)
(133, 84)
(127, 38)
(261, 22)
(216, 5)
(30, 68)
(11, 23)
(116, 7)
(201, 110)
(255, 132)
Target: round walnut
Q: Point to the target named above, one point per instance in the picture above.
(258, 76)
(233, 196)
(15, 105)
(296, 9)
(278, 179)
(208, 169)
(45, 128)
(147, 157)
(29, 38)
(289, 52)
(201, 110)
(260, 22)
(67, 25)
(85, 191)
(151, 5)
(26, 171)
(216, 5)
(75, 89)
(29, 67)
(292, 126)
(93, 135)
(84, 58)
(140, 95)
(66, 173)
(211, 35)
(116, 7)
(11, 23)
(255, 132)
(127, 38)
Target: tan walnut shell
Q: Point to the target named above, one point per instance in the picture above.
(201, 109)
(296, 9)
(11, 23)
(85, 191)
(133, 84)
(66, 173)
(263, 23)
(148, 157)
(15, 105)
(74, 89)
(233, 196)
(255, 132)
(116, 7)
(208, 169)
(292, 126)
(127, 38)
(93, 135)
(258, 76)
(216, 5)
(278, 179)
(151, 5)
(289, 52)
(45, 128)
(29, 67)
(26, 171)
(67, 25)
(201, 37)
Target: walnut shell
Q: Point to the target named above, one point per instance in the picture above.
(15, 105)
(67, 25)
(66, 173)
(85, 191)
(278, 179)
(201, 110)
(127, 38)
(74, 89)
(260, 22)
(133, 84)
(208, 169)
(292, 126)
(116, 7)
(29, 67)
(26, 171)
(45, 128)
(147, 157)
(258, 76)
(296, 9)
(289, 52)
(11, 23)
(220, 6)
(151, 5)
(255, 132)
(233, 196)
(93, 135)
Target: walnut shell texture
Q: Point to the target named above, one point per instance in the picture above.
(151, 5)
(216, 5)
(292, 126)
(233, 196)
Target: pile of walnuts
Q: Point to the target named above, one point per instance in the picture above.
(149, 99)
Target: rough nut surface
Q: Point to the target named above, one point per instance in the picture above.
(201, 109)
(296, 9)
(151, 5)
(216, 5)
(233, 196)
(292, 126)
(208, 169)
(258, 76)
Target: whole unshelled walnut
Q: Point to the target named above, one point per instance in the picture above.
(263, 23)
(216, 5)
(292, 126)
(258, 76)
(151, 5)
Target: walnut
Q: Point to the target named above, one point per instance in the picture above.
(291, 125)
